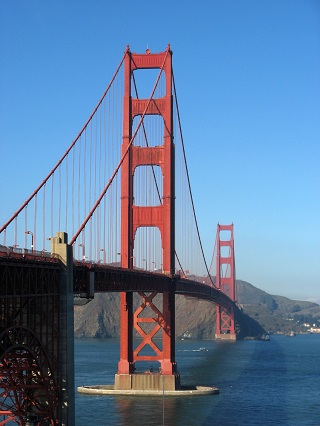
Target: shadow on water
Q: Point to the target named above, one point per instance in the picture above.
(251, 376)
(260, 384)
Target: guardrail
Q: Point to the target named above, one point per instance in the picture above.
(22, 253)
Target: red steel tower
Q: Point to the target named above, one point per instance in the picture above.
(160, 216)
(225, 281)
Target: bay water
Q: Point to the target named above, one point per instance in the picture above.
(274, 382)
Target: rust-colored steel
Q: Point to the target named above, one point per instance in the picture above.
(30, 343)
(107, 278)
(225, 280)
(29, 348)
(133, 217)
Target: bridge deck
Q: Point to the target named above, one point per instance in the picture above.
(89, 278)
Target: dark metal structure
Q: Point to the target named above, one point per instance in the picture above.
(34, 384)
(32, 341)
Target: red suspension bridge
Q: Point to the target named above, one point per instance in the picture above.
(123, 194)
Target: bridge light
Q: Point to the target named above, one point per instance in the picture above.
(83, 252)
(30, 233)
(145, 260)
(104, 255)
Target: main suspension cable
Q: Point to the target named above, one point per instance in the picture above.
(123, 156)
(68, 150)
(188, 179)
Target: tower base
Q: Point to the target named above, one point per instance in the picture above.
(147, 381)
(231, 337)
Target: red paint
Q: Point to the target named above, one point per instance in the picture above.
(133, 217)
(225, 279)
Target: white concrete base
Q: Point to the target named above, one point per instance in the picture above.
(230, 337)
(184, 391)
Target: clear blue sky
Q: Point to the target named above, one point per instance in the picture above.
(248, 81)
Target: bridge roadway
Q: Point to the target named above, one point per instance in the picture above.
(106, 278)
(90, 278)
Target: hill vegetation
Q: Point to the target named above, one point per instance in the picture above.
(277, 314)
(196, 318)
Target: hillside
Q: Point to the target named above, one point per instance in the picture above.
(196, 318)
(277, 313)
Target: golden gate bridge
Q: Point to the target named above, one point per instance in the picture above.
(115, 214)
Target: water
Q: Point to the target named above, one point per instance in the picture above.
(261, 383)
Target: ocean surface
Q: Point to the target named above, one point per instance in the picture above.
(261, 383)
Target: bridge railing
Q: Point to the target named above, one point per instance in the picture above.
(95, 277)
(18, 253)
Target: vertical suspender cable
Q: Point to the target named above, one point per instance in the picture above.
(104, 179)
(121, 160)
(68, 150)
(59, 199)
(79, 185)
(35, 222)
(44, 217)
(72, 192)
(94, 136)
(67, 191)
(52, 206)
(85, 173)
(25, 225)
(15, 232)
(189, 185)
(90, 165)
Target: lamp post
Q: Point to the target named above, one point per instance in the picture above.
(104, 255)
(30, 233)
(155, 266)
(83, 252)
(145, 260)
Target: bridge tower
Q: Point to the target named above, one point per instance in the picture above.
(225, 281)
(160, 216)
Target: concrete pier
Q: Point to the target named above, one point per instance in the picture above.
(182, 392)
(147, 381)
(231, 337)
(59, 245)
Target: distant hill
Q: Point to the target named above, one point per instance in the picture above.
(277, 313)
(196, 318)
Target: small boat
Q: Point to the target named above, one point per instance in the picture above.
(265, 337)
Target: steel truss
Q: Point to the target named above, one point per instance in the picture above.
(29, 341)
(225, 279)
(160, 216)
